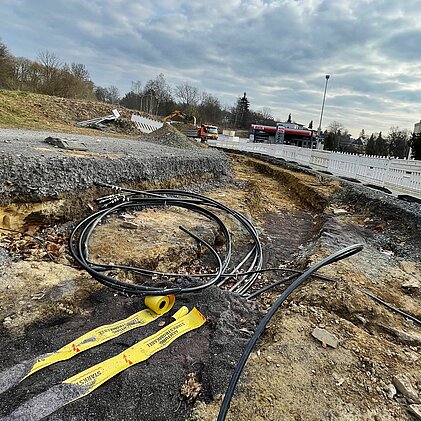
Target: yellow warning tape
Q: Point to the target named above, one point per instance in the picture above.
(98, 374)
(158, 305)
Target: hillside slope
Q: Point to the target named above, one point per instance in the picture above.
(35, 111)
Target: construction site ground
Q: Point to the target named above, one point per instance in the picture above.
(301, 218)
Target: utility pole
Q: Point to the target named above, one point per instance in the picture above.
(319, 130)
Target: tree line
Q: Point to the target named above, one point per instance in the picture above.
(49, 75)
(46, 75)
(398, 143)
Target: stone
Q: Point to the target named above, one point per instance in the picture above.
(130, 225)
(325, 337)
(408, 338)
(390, 390)
(411, 284)
(340, 211)
(404, 385)
(63, 143)
(415, 410)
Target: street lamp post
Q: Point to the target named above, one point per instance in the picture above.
(319, 130)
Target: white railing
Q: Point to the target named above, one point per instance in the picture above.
(401, 176)
(146, 125)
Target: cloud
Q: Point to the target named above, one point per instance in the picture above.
(278, 51)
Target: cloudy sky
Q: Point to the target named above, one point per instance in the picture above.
(278, 51)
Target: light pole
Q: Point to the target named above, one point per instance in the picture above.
(319, 130)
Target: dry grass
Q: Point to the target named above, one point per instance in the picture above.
(26, 110)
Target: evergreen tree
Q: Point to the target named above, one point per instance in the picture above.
(242, 113)
(310, 126)
(415, 144)
(289, 118)
(329, 144)
(398, 142)
(381, 146)
(370, 149)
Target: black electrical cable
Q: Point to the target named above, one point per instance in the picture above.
(341, 254)
(246, 272)
(40, 241)
(132, 200)
(285, 280)
(81, 257)
(390, 306)
(270, 286)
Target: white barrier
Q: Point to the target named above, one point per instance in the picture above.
(146, 125)
(401, 176)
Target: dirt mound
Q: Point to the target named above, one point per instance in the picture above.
(36, 111)
(168, 135)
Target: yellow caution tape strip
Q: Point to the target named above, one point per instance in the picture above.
(88, 380)
(98, 374)
(157, 305)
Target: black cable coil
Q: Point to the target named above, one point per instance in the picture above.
(127, 199)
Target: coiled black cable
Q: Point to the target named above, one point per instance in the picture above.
(129, 199)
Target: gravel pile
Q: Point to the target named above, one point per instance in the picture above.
(168, 135)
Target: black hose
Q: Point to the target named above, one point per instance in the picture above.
(341, 254)
(282, 281)
(270, 286)
(390, 306)
(129, 199)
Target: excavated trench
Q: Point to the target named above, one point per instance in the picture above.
(45, 304)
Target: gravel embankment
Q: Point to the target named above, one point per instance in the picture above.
(32, 170)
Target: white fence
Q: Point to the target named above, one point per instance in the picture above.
(146, 125)
(400, 176)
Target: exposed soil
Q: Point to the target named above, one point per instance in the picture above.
(290, 375)
(36, 111)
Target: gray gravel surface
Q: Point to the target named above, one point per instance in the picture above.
(32, 170)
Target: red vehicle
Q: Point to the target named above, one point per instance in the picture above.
(284, 133)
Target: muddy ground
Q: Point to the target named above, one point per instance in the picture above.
(301, 219)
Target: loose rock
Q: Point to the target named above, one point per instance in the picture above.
(415, 410)
(325, 337)
(130, 225)
(404, 385)
(390, 390)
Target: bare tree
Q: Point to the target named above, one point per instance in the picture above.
(6, 66)
(51, 66)
(188, 96)
(210, 109)
(101, 93)
(335, 127)
(113, 94)
(159, 92)
(80, 71)
(137, 90)
(267, 113)
(336, 133)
